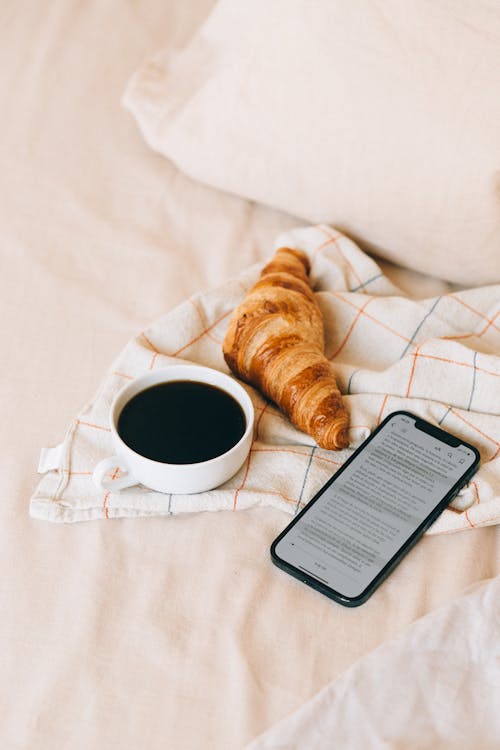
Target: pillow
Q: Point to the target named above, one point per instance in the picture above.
(380, 118)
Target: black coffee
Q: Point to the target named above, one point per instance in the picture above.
(181, 422)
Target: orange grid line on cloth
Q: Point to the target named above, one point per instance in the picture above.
(204, 321)
(333, 239)
(153, 348)
(488, 437)
(149, 343)
(91, 424)
(203, 333)
(285, 497)
(495, 454)
(257, 426)
(473, 335)
(461, 364)
(326, 243)
(237, 492)
(476, 492)
(412, 373)
(106, 496)
(477, 312)
(104, 504)
(275, 414)
(468, 519)
(72, 473)
(375, 320)
(351, 327)
(446, 531)
(379, 418)
(490, 323)
(459, 337)
(123, 375)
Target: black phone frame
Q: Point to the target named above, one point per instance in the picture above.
(347, 601)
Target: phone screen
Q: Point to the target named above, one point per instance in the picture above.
(368, 515)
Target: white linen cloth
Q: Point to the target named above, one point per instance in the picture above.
(435, 686)
(436, 357)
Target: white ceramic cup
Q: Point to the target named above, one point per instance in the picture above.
(174, 478)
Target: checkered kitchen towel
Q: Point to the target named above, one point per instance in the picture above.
(436, 357)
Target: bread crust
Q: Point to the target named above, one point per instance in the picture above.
(275, 342)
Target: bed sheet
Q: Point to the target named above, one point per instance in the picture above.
(154, 632)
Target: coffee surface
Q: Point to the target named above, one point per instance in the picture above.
(181, 422)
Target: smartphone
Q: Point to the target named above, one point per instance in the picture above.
(361, 523)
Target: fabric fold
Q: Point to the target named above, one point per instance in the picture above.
(435, 686)
(437, 358)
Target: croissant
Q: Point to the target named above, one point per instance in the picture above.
(275, 341)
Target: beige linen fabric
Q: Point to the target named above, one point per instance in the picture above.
(447, 669)
(382, 119)
(153, 632)
(437, 358)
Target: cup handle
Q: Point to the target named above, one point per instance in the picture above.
(112, 485)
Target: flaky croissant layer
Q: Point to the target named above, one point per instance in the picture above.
(275, 341)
